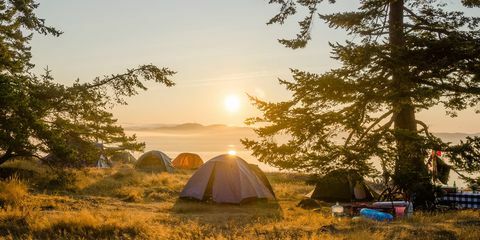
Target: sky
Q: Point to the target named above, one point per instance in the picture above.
(220, 50)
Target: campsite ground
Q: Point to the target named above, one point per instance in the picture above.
(122, 203)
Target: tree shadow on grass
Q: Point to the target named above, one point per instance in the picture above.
(241, 214)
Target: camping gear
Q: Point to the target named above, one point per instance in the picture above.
(187, 161)
(341, 186)
(400, 212)
(154, 161)
(376, 215)
(408, 206)
(337, 210)
(353, 209)
(122, 157)
(461, 200)
(227, 179)
(438, 167)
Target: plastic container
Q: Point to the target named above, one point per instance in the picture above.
(408, 205)
(376, 215)
(337, 210)
(400, 212)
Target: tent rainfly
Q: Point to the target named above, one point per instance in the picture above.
(187, 161)
(154, 161)
(123, 157)
(228, 179)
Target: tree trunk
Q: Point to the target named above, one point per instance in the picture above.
(410, 170)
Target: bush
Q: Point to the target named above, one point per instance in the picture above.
(128, 176)
(62, 180)
(130, 194)
(12, 192)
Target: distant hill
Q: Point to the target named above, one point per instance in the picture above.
(454, 137)
(188, 127)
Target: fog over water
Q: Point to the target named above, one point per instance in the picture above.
(213, 140)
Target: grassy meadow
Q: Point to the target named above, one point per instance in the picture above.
(123, 203)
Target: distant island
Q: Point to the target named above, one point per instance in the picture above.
(183, 127)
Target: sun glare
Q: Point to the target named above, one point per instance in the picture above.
(232, 103)
(232, 152)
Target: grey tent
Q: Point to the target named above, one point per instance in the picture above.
(154, 161)
(341, 186)
(122, 157)
(262, 176)
(227, 179)
(102, 162)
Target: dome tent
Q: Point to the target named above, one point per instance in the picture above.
(341, 186)
(154, 161)
(187, 161)
(122, 157)
(227, 179)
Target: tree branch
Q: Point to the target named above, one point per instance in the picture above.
(451, 87)
(469, 179)
(6, 156)
(377, 121)
(425, 128)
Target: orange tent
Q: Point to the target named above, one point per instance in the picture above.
(187, 161)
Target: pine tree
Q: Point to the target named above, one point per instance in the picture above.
(40, 116)
(407, 56)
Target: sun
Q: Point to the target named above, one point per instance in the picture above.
(232, 152)
(232, 103)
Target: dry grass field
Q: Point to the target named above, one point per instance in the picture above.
(123, 203)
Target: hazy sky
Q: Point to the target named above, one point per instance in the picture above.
(219, 48)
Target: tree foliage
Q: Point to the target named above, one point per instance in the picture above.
(39, 115)
(405, 57)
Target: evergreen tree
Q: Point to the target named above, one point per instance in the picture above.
(407, 56)
(39, 115)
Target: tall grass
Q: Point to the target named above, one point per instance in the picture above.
(13, 192)
(123, 203)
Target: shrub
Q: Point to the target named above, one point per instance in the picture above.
(59, 180)
(12, 192)
(128, 176)
(130, 194)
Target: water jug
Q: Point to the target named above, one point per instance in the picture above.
(337, 210)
